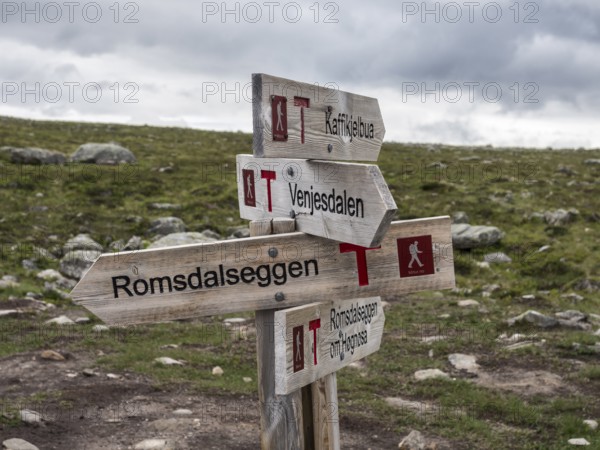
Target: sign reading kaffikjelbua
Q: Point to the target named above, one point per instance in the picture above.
(341, 201)
(264, 272)
(302, 120)
(318, 339)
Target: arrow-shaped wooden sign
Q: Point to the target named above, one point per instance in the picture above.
(341, 201)
(302, 120)
(263, 273)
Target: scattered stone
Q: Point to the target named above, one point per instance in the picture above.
(444, 316)
(386, 305)
(166, 225)
(235, 321)
(134, 243)
(491, 288)
(81, 242)
(414, 441)
(100, 328)
(468, 303)
(60, 320)
(239, 233)
(8, 281)
(169, 346)
(574, 325)
(212, 234)
(169, 361)
(460, 217)
(89, 373)
(566, 170)
(77, 262)
(572, 315)
(464, 362)
(18, 444)
(483, 264)
(573, 297)
(30, 417)
(151, 444)
(431, 339)
(82, 320)
(465, 236)
(182, 412)
(164, 206)
(579, 441)
(528, 297)
(175, 239)
(587, 285)
(247, 380)
(10, 313)
(51, 355)
(113, 376)
(544, 248)
(105, 154)
(217, 371)
(33, 156)
(591, 424)
(497, 258)
(428, 374)
(560, 217)
(591, 162)
(534, 318)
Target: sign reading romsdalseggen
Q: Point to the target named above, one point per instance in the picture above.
(264, 273)
(318, 339)
(302, 120)
(345, 202)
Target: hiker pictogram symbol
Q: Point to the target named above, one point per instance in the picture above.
(279, 117)
(414, 254)
(298, 353)
(249, 186)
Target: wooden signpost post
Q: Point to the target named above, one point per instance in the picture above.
(329, 273)
(340, 201)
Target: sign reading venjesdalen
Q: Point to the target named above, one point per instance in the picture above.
(341, 201)
(315, 340)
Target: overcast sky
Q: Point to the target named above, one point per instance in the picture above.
(503, 73)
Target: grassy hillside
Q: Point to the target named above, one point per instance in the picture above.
(45, 206)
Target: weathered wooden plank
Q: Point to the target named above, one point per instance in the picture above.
(315, 340)
(294, 119)
(341, 201)
(304, 269)
(281, 417)
(326, 413)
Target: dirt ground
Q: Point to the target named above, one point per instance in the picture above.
(97, 412)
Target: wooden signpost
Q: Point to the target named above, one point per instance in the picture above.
(301, 120)
(321, 338)
(328, 274)
(340, 201)
(265, 272)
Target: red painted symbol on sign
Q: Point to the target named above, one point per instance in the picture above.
(313, 326)
(268, 175)
(415, 255)
(279, 118)
(361, 260)
(302, 103)
(249, 191)
(298, 346)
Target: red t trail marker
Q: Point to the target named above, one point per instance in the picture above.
(303, 120)
(345, 202)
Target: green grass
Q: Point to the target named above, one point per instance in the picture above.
(496, 187)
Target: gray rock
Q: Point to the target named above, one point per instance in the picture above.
(464, 362)
(18, 444)
(560, 217)
(61, 320)
(166, 361)
(239, 233)
(152, 444)
(33, 156)
(579, 441)
(212, 234)
(460, 217)
(8, 281)
(105, 154)
(182, 412)
(573, 297)
(591, 424)
(30, 417)
(544, 248)
(134, 243)
(592, 162)
(167, 225)
(414, 441)
(572, 315)
(9, 313)
(588, 286)
(428, 374)
(465, 236)
(497, 258)
(74, 264)
(468, 303)
(175, 239)
(574, 325)
(81, 242)
(534, 318)
(100, 328)
(164, 206)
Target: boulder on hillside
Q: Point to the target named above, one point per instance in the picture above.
(465, 236)
(77, 262)
(176, 239)
(166, 225)
(33, 155)
(105, 154)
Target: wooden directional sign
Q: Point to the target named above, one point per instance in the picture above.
(264, 272)
(340, 201)
(318, 339)
(301, 120)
